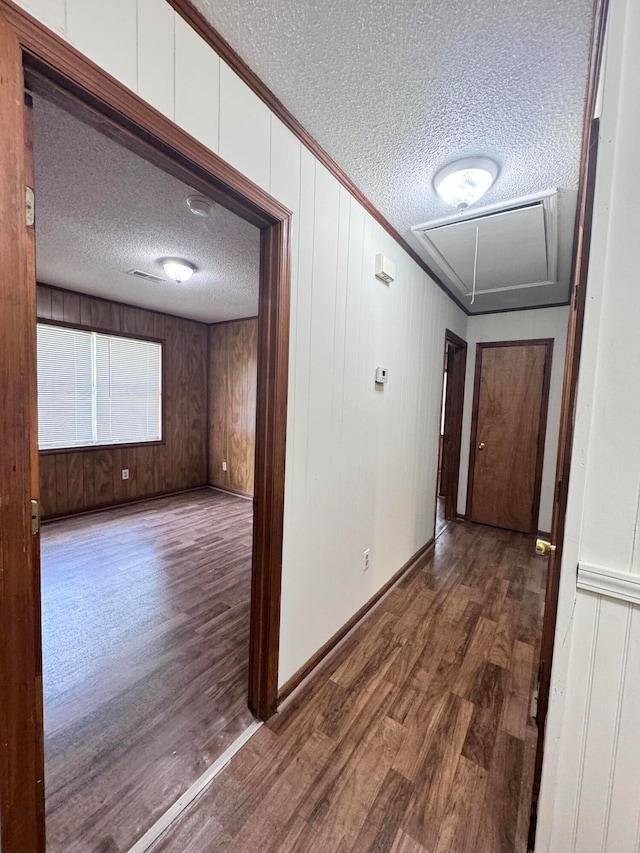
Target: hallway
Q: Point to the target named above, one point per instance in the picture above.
(415, 737)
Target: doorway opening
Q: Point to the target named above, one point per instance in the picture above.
(455, 364)
(40, 60)
(146, 438)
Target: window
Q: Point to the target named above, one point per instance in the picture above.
(97, 389)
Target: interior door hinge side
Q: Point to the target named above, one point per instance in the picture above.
(35, 517)
(30, 207)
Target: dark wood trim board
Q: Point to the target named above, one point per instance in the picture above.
(324, 651)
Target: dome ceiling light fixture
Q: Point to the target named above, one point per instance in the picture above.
(177, 269)
(464, 182)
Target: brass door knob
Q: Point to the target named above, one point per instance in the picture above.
(544, 548)
(481, 445)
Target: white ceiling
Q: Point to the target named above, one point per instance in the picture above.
(102, 210)
(395, 90)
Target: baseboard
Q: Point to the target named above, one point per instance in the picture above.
(324, 651)
(117, 504)
(460, 516)
(542, 534)
(230, 491)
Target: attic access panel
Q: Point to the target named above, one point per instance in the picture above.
(517, 247)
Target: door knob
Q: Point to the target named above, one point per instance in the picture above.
(544, 548)
(481, 445)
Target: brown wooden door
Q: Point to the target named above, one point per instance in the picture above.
(21, 740)
(508, 430)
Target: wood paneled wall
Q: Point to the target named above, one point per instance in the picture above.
(233, 356)
(87, 479)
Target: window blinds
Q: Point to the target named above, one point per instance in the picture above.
(97, 389)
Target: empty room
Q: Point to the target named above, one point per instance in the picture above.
(147, 299)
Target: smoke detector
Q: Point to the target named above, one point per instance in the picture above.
(199, 205)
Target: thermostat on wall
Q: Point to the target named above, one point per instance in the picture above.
(382, 375)
(385, 269)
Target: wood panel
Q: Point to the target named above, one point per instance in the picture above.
(76, 481)
(415, 735)
(233, 356)
(509, 424)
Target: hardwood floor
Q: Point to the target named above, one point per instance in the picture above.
(415, 737)
(145, 647)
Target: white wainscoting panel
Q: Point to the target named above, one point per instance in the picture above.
(622, 585)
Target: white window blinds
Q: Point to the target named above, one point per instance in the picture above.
(97, 389)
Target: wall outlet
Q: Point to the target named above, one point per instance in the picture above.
(366, 560)
(125, 473)
(224, 466)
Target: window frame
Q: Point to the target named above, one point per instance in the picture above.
(84, 448)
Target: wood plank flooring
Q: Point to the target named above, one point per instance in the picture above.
(415, 737)
(145, 652)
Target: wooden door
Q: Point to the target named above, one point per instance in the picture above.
(508, 431)
(21, 739)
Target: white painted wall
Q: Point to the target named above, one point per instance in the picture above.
(519, 326)
(590, 799)
(361, 463)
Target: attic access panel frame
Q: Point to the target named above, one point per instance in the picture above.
(56, 67)
(546, 201)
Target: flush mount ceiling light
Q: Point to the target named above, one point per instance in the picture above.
(199, 205)
(464, 182)
(178, 269)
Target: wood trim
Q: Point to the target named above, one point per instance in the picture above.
(58, 516)
(229, 491)
(206, 31)
(562, 304)
(579, 276)
(454, 339)
(324, 651)
(271, 426)
(622, 586)
(582, 246)
(454, 410)
(21, 737)
(542, 427)
(65, 75)
(65, 324)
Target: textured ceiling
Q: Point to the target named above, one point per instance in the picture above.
(102, 210)
(395, 90)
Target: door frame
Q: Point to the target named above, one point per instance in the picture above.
(88, 91)
(542, 425)
(453, 404)
(578, 298)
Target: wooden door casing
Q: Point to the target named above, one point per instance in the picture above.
(451, 441)
(21, 739)
(508, 431)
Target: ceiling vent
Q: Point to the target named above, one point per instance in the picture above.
(147, 276)
(517, 245)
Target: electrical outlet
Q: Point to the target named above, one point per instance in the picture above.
(125, 473)
(366, 560)
(224, 466)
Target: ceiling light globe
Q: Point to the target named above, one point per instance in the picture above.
(178, 270)
(464, 182)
